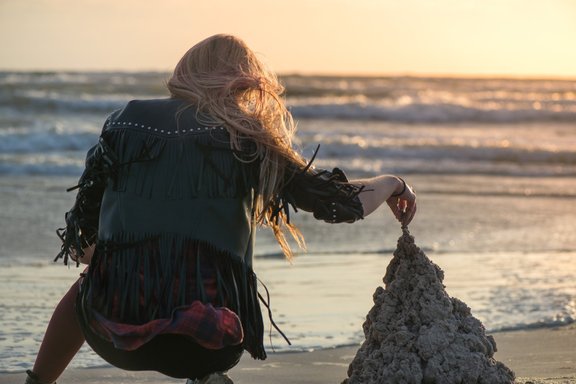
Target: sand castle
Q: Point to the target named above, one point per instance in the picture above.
(416, 333)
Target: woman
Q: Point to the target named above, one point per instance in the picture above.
(166, 214)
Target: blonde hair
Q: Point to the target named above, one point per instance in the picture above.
(224, 79)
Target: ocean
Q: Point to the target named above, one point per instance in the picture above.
(493, 162)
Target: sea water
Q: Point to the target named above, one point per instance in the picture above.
(493, 162)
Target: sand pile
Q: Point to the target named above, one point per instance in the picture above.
(416, 333)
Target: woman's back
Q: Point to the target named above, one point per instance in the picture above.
(176, 224)
(175, 176)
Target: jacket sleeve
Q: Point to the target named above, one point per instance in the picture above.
(81, 228)
(329, 195)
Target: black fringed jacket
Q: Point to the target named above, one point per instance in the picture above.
(159, 186)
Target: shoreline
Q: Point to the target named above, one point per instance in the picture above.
(537, 356)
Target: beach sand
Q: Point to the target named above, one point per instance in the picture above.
(539, 356)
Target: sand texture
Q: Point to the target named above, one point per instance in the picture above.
(417, 333)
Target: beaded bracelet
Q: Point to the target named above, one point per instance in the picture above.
(403, 188)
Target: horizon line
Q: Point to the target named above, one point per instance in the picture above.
(351, 74)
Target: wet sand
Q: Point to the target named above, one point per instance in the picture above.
(540, 356)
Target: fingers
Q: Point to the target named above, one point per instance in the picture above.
(408, 215)
(403, 206)
(406, 207)
(394, 205)
(406, 211)
(403, 210)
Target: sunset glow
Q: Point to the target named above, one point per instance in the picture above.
(458, 37)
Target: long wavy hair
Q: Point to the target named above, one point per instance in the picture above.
(223, 77)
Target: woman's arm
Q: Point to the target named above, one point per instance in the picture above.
(83, 219)
(394, 191)
(335, 199)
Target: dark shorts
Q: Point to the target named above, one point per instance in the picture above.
(173, 355)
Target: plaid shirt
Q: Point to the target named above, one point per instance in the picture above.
(210, 327)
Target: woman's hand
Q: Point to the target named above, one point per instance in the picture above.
(87, 257)
(398, 195)
(403, 203)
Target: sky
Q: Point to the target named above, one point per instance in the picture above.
(535, 38)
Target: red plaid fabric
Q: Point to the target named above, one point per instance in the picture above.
(210, 327)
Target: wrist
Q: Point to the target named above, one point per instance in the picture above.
(401, 187)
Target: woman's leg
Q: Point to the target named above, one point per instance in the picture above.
(62, 340)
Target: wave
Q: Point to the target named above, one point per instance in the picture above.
(352, 149)
(430, 113)
(415, 112)
(40, 101)
(42, 169)
(438, 151)
(331, 252)
(395, 99)
(432, 100)
(15, 142)
(396, 124)
(548, 323)
(61, 151)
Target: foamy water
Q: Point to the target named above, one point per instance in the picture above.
(48, 120)
(492, 160)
